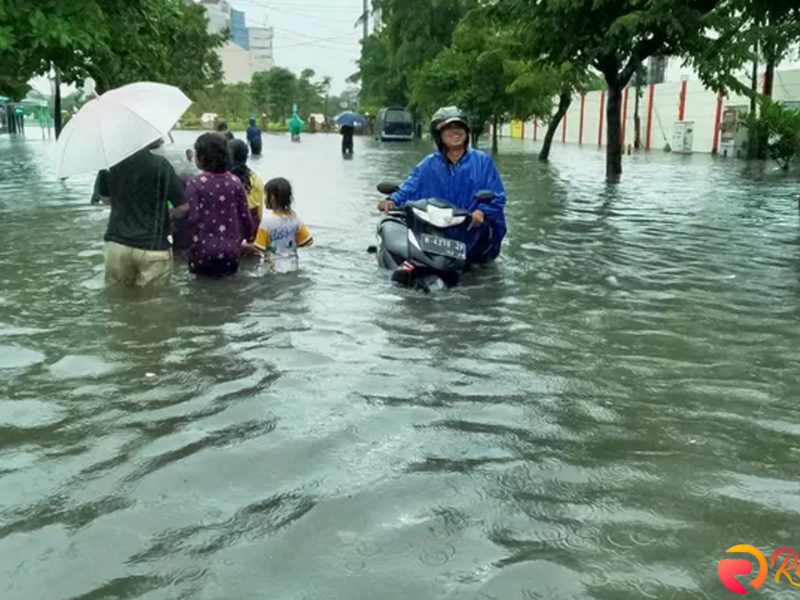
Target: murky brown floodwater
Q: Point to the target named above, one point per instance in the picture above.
(601, 415)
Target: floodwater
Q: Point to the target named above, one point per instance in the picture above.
(599, 415)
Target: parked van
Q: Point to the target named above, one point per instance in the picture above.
(394, 123)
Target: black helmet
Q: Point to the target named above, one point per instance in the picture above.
(443, 117)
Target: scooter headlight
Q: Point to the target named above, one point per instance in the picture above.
(439, 217)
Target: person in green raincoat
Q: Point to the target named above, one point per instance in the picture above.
(296, 125)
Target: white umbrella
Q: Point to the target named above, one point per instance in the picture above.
(117, 124)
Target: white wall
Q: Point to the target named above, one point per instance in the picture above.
(236, 67)
(676, 70)
(701, 107)
(261, 55)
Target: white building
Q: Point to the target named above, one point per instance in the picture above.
(248, 51)
(236, 66)
(218, 14)
(261, 53)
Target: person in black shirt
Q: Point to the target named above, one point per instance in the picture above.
(139, 189)
(347, 139)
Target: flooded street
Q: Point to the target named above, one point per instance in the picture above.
(599, 415)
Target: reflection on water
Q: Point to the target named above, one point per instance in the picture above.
(599, 415)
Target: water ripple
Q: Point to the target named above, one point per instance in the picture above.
(598, 415)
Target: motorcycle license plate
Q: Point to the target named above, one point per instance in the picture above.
(443, 246)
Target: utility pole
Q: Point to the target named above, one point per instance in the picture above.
(57, 103)
(365, 17)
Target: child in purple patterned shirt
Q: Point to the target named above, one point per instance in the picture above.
(219, 217)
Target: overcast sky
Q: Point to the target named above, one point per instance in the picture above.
(316, 34)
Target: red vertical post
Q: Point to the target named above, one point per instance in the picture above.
(564, 129)
(717, 122)
(522, 131)
(535, 129)
(624, 117)
(682, 105)
(648, 135)
(580, 127)
(602, 117)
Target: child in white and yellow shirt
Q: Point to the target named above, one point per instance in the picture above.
(281, 231)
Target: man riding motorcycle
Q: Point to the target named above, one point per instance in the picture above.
(456, 173)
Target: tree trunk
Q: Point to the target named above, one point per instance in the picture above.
(475, 135)
(754, 134)
(57, 104)
(769, 76)
(564, 100)
(494, 135)
(614, 132)
(754, 81)
(637, 120)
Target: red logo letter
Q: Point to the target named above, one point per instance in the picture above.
(729, 568)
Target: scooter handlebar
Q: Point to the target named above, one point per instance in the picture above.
(484, 196)
(387, 189)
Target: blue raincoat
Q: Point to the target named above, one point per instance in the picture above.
(437, 177)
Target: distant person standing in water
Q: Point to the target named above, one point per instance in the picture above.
(254, 138)
(218, 211)
(222, 129)
(347, 139)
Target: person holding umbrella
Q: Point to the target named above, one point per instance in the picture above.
(137, 249)
(115, 134)
(346, 132)
(347, 122)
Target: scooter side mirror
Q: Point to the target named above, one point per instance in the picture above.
(386, 188)
(484, 196)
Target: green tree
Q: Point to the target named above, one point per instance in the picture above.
(613, 37)
(114, 41)
(412, 33)
(745, 32)
(168, 43)
(308, 94)
(480, 74)
(325, 88)
(381, 84)
(538, 83)
(741, 32)
(276, 90)
(35, 37)
(233, 103)
(775, 132)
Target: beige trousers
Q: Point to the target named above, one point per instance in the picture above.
(134, 267)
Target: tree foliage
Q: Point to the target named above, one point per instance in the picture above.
(775, 131)
(478, 73)
(613, 37)
(503, 59)
(412, 33)
(277, 90)
(169, 44)
(270, 92)
(739, 33)
(114, 41)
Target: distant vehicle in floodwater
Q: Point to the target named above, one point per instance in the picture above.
(393, 123)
